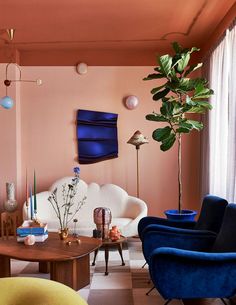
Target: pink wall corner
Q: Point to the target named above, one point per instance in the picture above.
(48, 118)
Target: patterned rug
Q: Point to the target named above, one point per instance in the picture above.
(124, 285)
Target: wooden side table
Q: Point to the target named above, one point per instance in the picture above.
(107, 243)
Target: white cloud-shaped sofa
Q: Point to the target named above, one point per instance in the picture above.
(126, 210)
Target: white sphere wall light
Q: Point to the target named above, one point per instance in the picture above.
(131, 102)
(82, 68)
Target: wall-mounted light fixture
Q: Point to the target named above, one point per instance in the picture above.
(82, 68)
(131, 102)
(6, 101)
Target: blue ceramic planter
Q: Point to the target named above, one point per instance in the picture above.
(183, 216)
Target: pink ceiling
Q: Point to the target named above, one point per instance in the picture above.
(60, 29)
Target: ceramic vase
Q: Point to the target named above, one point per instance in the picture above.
(102, 218)
(10, 204)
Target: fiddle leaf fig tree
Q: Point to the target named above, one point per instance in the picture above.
(179, 95)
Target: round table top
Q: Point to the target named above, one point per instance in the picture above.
(52, 249)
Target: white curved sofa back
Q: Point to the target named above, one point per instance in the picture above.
(122, 205)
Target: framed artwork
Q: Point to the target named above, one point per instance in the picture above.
(97, 136)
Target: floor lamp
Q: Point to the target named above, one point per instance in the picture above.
(137, 140)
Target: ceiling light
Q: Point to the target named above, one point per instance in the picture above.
(7, 102)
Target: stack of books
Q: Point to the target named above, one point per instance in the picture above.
(30, 227)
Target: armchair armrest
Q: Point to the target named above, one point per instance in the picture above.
(145, 221)
(156, 236)
(178, 273)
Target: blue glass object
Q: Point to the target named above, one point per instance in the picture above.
(6, 102)
(97, 136)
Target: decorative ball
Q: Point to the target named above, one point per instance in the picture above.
(6, 102)
(82, 68)
(29, 240)
(39, 82)
(7, 82)
(131, 102)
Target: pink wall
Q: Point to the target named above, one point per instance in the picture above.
(48, 118)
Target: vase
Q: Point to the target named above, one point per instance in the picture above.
(10, 205)
(114, 233)
(63, 233)
(102, 218)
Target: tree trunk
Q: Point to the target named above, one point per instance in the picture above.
(179, 174)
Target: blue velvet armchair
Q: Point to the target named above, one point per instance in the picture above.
(210, 217)
(208, 225)
(206, 270)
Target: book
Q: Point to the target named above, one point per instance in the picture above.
(35, 234)
(29, 227)
(38, 238)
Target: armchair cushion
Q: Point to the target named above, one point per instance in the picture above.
(181, 274)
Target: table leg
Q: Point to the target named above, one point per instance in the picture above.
(95, 255)
(106, 258)
(5, 269)
(44, 267)
(120, 251)
(74, 273)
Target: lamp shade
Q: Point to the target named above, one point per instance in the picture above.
(6, 102)
(138, 139)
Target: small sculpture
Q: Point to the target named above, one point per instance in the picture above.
(114, 233)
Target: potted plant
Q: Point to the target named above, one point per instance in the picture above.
(179, 96)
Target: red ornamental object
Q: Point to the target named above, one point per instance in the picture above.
(114, 233)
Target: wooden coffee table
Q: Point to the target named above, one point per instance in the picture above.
(107, 244)
(69, 264)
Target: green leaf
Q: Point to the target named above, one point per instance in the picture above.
(161, 133)
(168, 143)
(196, 124)
(156, 118)
(193, 68)
(177, 47)
(189, 101)
(186, 125)
(183, 62)
(204, 104)
(182, 130)
(155, 90)
(194, 49)
(160, 94)
(154, 76)
(197, 109)
(167, 108)
(165, 63)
